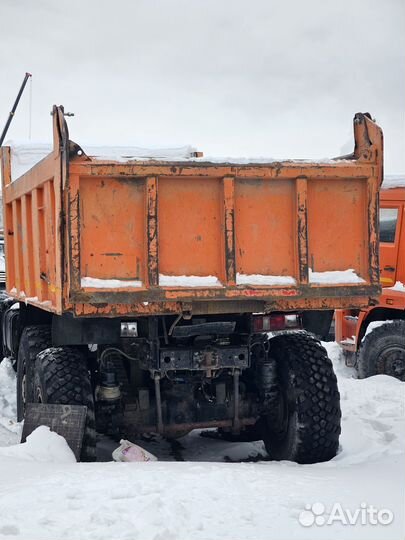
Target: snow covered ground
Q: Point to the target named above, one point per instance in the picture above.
(220, 490)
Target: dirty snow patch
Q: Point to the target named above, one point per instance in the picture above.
(96, 283)
(189, 281)
(334, 277)
(259, 279)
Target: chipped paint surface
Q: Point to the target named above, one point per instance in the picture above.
(255, 228)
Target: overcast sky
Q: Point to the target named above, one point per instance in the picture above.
(233, 78)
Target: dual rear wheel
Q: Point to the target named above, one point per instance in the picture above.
(302, 422)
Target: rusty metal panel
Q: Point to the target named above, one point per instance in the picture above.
(191, 240)
(338, 218)
(112, 228)
(135, 227)
(265, 227)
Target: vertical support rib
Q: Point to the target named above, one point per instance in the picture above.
(50, 240)
(73, 230)
(302, 228)
(26, 243)
(373, 229)
(5, 158)
(5, 155)
(229, 219)
(36, 244)
(16, 246)
(152, 231)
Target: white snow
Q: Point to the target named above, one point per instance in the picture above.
(258, 279)
(8, 408)
(43, 445)
(205, 497)
(349, 341)
(392, 181)
(189, 281)
(262, 160)
(399, 287)
(335, 277)
(375, 324)
(97, 283)
(24, 155)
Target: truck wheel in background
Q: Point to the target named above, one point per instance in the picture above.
(382, 351)
(303, 422)
(62, 377)
(34, 339)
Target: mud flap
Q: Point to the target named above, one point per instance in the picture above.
(65, 420)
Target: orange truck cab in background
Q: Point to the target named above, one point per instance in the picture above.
(351, 325)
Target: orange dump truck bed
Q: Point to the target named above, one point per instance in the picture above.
(142, 237)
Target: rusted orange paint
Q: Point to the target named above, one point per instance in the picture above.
(76, 217)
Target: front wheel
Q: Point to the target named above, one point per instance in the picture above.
(382, 351)
(303, 420)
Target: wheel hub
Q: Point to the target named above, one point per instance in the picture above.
(392, 362)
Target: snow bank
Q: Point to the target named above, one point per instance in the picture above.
(335, 277)
(258, 279)
(373, 419)
(43, 445)
(8, 406)
(205, 497)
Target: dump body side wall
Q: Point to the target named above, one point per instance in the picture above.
(32, 233)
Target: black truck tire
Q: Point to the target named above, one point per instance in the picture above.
(382, 351)
(303, 423)
(34, 339)
(62, 377)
